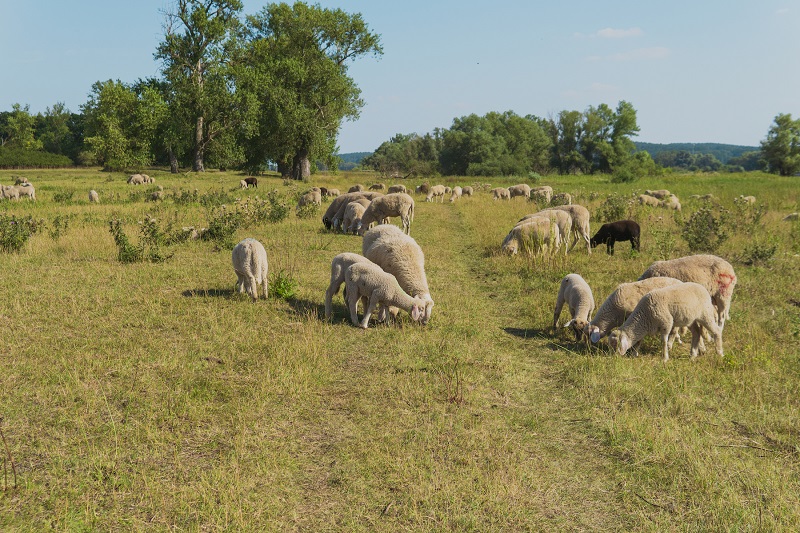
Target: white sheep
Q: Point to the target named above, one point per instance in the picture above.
(457, 193)
(21, 180)
(242, 184)
(466, 191)
(646, 199)
(250, 264)
(397, 204)
(333, 193)
(576, 293)
(580, 223)
(94, 198)
(710, 271)
(562, 219)
(26, 190)
(437, 191)
(523, 189)
(621, 303)
(399, 254)
(377, 187)
(660, 193)
(501, 193)
(368, 280)
(562, 198)
(543, 193)
(335, 212)
(339, 265)
(397, 188)
(747, 199)
(671, 202)
(137, 179)
(660, 311)
(356, 188)
(536, 235)
(9, 192)
(353, 214)
(312, 197)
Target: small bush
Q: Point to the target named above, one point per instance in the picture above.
(747, 216)
(706, 229)
(58, 226)
(283, 285)
(308, 211)
(624, 175)
(216, 197)
(15, 232)
(759, 251)
(279, 207)
(534, 177)
(63, 197)
(127, 252)
(663, 241)
(222, 225)
(614, 208)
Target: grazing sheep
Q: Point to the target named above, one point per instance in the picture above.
(534, 235)
(94, 198)
(523, 189)
(242, 184)
(660, 193)
(543, 193)
(646, 199)
(671, 202)
(368, 280)
(26, 190)
(400, 255)
(466, 191)
(9, 192)
(335, 210)
(562, 198)
(437, 191)
(397, 204)
(621, 230)
(377, 187)
(562, 219)
(137, 179)
(457, 193)
(397, 188)
(332, 193)
(339, 265)
(621, 303)
(447, 190)
(310, 198)
(791, 216)
(356, 188)
(156, 196)
(423, 189)
(747, 199)
(580, 223)
(353, 213)
(501, 193)
(251, 181)
(148, 179)
(660, 311)
(576, 293)
(710, 271)
(250, 264)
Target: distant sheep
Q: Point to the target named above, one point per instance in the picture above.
(356, 188)
(335, 211)
(250, 264)
(423, 188)
(310, 198)
(251, 182)
(377, 187)
(397, 204)
(523, 189)
(242, 184)
(621, 230)
(576, 293)
(646, 199)
(457, 193)
(94, 198)
(562, 198)
(365, 280)
(466, 191)
(660, 193)
(501, 193)
(536, 236)
(580, 223)
(563, 221)
(437, 191)
(9, 192)
(660, 311)
(671, 202)
(20, 180)
(332, 193)
(353, 213)
(747, 199)
(543, 194)
(26, 190)
(397, 188)
(138, 179)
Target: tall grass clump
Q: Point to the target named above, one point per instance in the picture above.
(222, 225)
(15, 232)
(153, 239)
(613, 208)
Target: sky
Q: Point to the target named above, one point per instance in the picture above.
(695, 71)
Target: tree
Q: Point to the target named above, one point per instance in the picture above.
(781, 148)
(19, 130)
(56, 128)
(197, 44)
(294, 70)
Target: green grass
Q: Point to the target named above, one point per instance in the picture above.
(153, 396)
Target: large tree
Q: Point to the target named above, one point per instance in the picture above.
(294, 70)
(197, 44)
(19, 129)
(781, 148)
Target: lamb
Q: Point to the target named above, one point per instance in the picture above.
(397, 188)
(523, 189)
(310, 198)
(660, 193)
(621, 230)
(148, 179)
(542, 194)
(251, 181)
(353, 215)
(250, 264)
(621, 303)
(501, 193)
(368, 280)
(747, 199)
(26, 190)
(576, 293)
(397, 204)
(94, 198)
(242, 184)
(662, 310)
(356, 188)
(20, 180)
(646, 199)
(423, 189)
(339, 265)
(400, 255)
(671, 202)
(580, 223)
(534, 236)
(335, 210)
(562, 198)
(437, 191)
(710, 271)
(457, 193)
(562, 219)
(377, 187)
(9, 192)
(137, 179)
(466, 191)
(447, 190)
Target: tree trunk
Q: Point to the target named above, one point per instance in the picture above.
(285, 168)
(301, 165)
(173, 161)
(197, 151)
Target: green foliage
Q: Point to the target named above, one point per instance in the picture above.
(22, 158)
(747, 216)
(58, 226)
(781, 149)
(127, 251)
(759, 250)
(706, 229)
(279, 207)
(222, 225)
(308, 211)
(624, 175)
(615, 207)
(283, 285)
(216, 198)
(63, 196)
(15, 231)
(152, 241)
(19, 130)
(664, 241)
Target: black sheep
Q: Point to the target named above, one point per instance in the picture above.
(252, 181)
(621, 230)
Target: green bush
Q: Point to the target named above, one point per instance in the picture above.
(58, 226)
(21, 158)
(706, 229)
(613, 208)
(283, 285)
(63, 197)
(279, 207)
(759, 251)
(222, 225)
(15, 232)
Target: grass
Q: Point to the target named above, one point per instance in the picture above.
(153, 396)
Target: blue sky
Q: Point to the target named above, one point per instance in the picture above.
(699, 71)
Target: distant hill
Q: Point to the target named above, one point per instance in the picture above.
(723, 152)
(349, 161)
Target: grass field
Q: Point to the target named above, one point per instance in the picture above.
(151, 396)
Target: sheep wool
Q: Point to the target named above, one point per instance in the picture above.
(398, 204)
(576, 293)
(365, 280)
(250, 264)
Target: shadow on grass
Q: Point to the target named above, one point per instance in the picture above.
(209, 293)
(302, 306)
(527, 333)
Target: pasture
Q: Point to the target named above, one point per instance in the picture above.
(151, 395)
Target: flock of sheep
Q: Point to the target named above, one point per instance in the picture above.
(22, 188)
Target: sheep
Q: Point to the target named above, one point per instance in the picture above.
(356, 188)
(333, 193)
(377, 187)
(20, 180)
(747, 199)
(466, 191)
(447, 190)
(400, 255)
(397, 188)
(353, 213)
(251, 181)
(137, 179)
(621, 303)
(621, 230)
(339, 265)
(437, 191)
(523, 189)
(9, 192)
(534, 236)
(94, 198)
(310, 198)
(661, 194)
(364, 198)
(710, 271)
(26, 190)
(501, 193)
(662, 310)
(580, 223)
(148, 179)
(562, 219)
(397, 204)
(242, 184)
(335, 210)
(156, 196)
(543, 193)
(646, 199)
(562, 198)
(671, 202)
(423, 188)
(457, 193)
(250, 264)
(368, 280)
(576, 293)
(791, 216)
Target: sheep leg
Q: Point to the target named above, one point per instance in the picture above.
(665, 339)
(352, 303)
(252, 287)
(336, 282)
(265, 286)
(369, 309)
(610, 246)
(635, 243)
(557, 311)
(239, 283)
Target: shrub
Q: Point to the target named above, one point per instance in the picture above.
(153, 239)
(663, 240)
(126, 251)
(613, 208)
(58, 227)
(624, 175)
(15, 232)
(745, 215)
(222, 225)
(308, 211)
(283, 285)
(705, 230)
(759, 251)
(63, 197)
(279, 207)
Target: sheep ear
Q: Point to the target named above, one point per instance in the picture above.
(595, 337)
(415, 313)
(625, 343)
